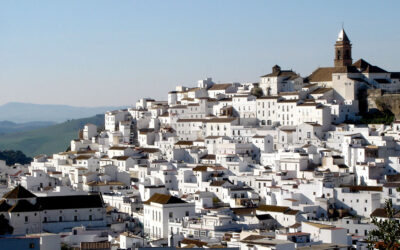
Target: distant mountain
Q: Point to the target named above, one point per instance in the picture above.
(47, 140)
(27, 112)
(7, 127)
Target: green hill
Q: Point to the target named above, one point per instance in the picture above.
(48, 140)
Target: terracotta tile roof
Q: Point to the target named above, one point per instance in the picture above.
(23, 206)
(268, 97)
(95, 245)
(321, 90)
(364, 188)
(149, 150)
(365, 67)
(197, 243)
(381, 212)
(200, 168)
(117, 148)
(221, 86)
(243, 211)
(282, 73)
(217, 183)
(392, 184)
(272, 208)
(191, 120)
(19, 192)
(69, 202)
(121, 158)
(318, 225)
(295, 225)
(292, 212)
(163, 199)
(322, 75)
(222, 120)
(208, 157)
(184, 143)
(4, 206)
(83, 157)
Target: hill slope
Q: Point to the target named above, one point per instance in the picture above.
(28, 112)
(7, 127)
(48, 140)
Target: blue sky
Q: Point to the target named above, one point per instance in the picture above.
(94, 53)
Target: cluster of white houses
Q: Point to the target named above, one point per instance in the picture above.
(268, 165)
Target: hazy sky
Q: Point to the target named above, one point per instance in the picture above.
(97, 52)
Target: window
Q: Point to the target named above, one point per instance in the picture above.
(171, 214)
(60, 219)
(75, 218)
(90, 217)
(31, 245)
(187, 213)
(26, 218)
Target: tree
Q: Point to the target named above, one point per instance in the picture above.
(5, 227)
(11, 157)
(387, 234)
(257, 92)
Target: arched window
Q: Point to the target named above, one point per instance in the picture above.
(60, 219)
(338, 55)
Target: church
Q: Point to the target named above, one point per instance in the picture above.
(29, 214)
(336, 87)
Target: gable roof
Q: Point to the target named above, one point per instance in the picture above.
(163, 199)
(324, 74)
(23, 206)
(366, 67)
(19, 192)
(381, 212)
(221, 86)
(69, 202)
(282, 73)
(321, 75)
(4, 206)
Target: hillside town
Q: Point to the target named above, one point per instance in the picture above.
(283, 163)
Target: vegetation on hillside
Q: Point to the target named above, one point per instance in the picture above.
(12, 157)
(7, 127)
(49, 140)
(385, 117)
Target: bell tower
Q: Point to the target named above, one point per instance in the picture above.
(343, 50)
